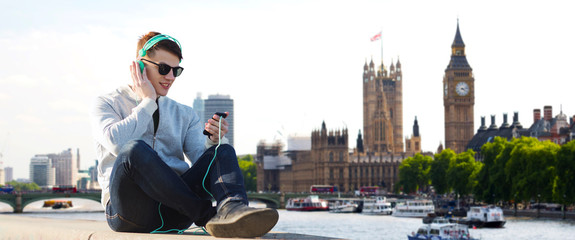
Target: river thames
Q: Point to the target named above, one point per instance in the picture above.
(349, 225)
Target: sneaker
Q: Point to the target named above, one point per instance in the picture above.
(235, 219)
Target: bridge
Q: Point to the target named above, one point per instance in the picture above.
(20, 200)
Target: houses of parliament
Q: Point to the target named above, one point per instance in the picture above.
(380, 145)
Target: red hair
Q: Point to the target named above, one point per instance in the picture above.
(166, 44)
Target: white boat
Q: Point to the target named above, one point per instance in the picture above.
(414, 208)
(485, 216)
(310, 203)
(344, 206)
(376, 206)
(441, 229)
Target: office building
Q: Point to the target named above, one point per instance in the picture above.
(42, 172)
(221, 103)
(66, 165)
(199, 107)
(8, 174)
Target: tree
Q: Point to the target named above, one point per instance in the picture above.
(414, 173)
(491, 178)
(249, 171)
(461, 171)
(438, 171)
(563, 190)
(18, 186)
(531, 169)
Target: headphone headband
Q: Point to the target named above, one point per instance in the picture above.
(150, 43)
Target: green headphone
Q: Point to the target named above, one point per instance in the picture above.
(150, 43)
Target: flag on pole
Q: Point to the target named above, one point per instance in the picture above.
(376, 37)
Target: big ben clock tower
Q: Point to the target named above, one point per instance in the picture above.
(458, 97)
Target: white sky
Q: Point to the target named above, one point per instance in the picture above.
(288, 65)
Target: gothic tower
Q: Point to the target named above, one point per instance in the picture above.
(382, 108)
(458, 97)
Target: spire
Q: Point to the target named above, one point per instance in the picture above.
(458, 41)
(383, 68)
(458, 59)
(415, 128)
(359, 142)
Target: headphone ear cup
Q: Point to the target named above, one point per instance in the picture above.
(141, 66)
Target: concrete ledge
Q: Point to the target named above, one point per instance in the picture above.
(21, 227)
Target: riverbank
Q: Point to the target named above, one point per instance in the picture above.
(22, 227)
(542, 214)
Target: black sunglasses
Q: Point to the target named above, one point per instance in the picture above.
(164, 69)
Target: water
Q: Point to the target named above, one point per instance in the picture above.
(345, 225)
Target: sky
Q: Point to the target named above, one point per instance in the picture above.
(288, 65)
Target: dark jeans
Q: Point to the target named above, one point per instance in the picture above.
(140, 181)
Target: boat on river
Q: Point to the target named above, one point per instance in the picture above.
(58, 204)
(376, 206)
(441, 229)
(414, 208)
(484, 216)
(343, 205)
(310, 203)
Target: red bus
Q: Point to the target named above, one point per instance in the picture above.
(322, 189)
(64, 189)
(368, 190)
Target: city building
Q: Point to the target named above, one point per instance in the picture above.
(328, 162)
(382, 108)
(221, 103)
(42, 172)
(413, 144)
(487, 134)
(375, 160)
(2, 177)
(559, 129)
(64, 166)
(88, 179)
(268, 166)
(199, 107)
(8, 174)
(458, 97)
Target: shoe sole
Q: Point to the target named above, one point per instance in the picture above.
(254, 224)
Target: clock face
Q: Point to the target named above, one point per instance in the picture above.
(445, 89)
(398, 78)
(462, 88)
(365, 79)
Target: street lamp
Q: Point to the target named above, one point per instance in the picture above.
(564, 205)
(515, 204)
(538, 205)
